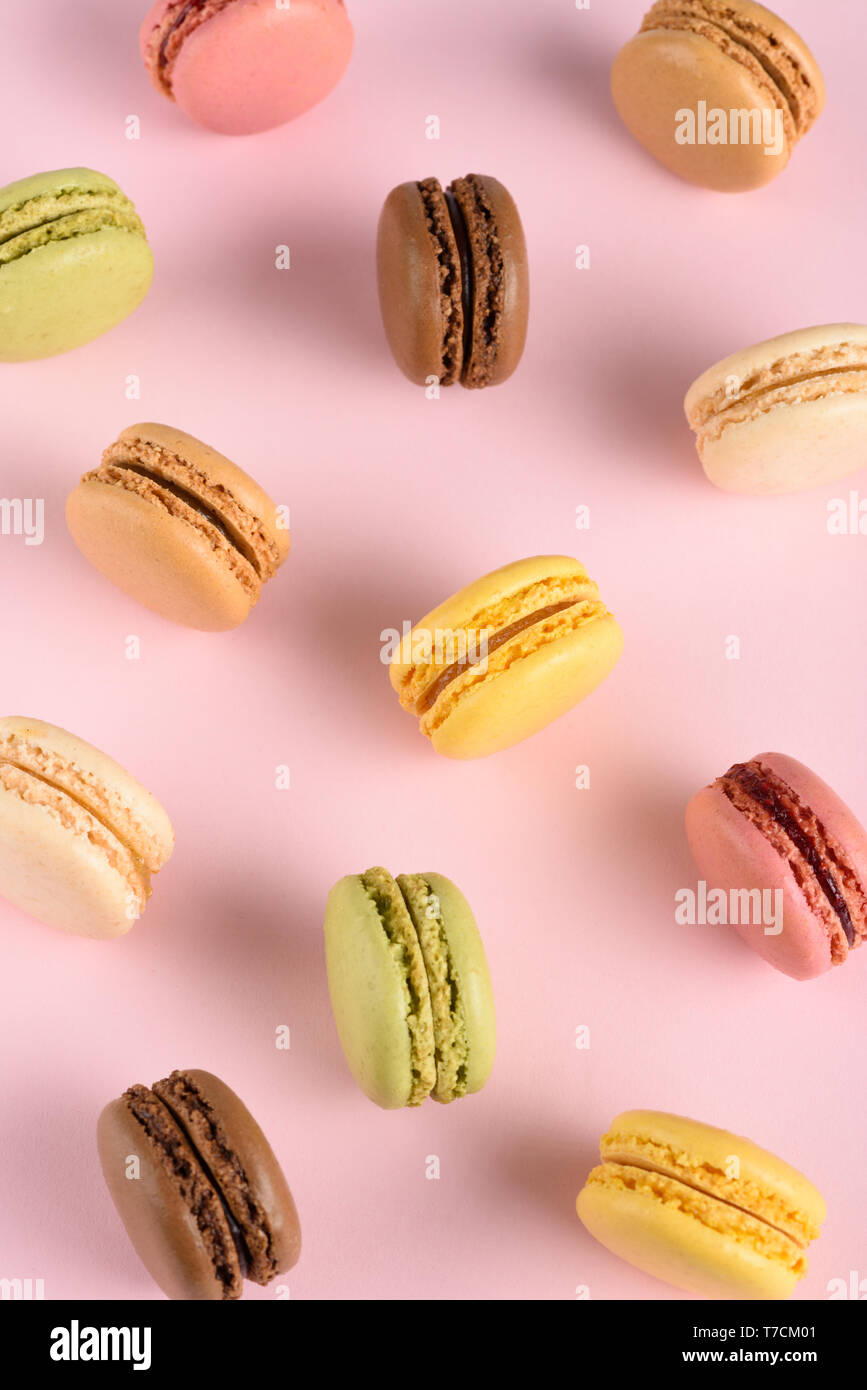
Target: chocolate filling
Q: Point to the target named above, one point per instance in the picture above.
(234, 1229)
(457, 668)
(160, 1125)
(761, 789)
(462, 241)
(197, 505)
(180, 1090)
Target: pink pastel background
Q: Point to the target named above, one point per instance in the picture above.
(397, 501)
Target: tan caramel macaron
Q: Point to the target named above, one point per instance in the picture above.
(178, 527)
(719, 91)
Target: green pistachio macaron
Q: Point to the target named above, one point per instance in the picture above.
(410, 987)
(74, 261)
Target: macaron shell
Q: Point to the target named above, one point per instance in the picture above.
(63, 295)
(408, 277)
(255, 65)
(535, 690)
(731, 853)
(661, 72)
(470, 968)
(59, 876)
(257, 1158)
(367, 989)
(667, 1242)
(157, 1220)
(516, 290)
(792, 447)
(161, 561)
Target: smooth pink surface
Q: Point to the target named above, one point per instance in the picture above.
(396, 501)
(256, 64)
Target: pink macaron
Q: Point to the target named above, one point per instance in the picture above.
(241, 66)
(772, 825)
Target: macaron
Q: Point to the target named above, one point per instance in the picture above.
(700, 1208)
(505, 656)
(784, 416)
(409, 987)
(178, 527)
(79, 837)
(454, 287)
(772, 825)
(241, 66)
(74, 261)
(197, 1187)
(719, 91)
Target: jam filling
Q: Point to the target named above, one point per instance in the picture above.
(761, 789)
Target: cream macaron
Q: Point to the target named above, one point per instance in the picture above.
(79, 837)
(505, 656)
(178, 527)
(786, 415)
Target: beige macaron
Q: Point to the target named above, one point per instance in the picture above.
(79, 837)
(719, 91)
(178, 527)
(786, 415)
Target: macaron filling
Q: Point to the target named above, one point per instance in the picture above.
(790, 380)
(404, 946)
(196, 504)
(451, 1039)
(85, 792)
(455, 310)
(772, 62)
(244, 1213)
(472, 277)
(462, 241)
(199, 1192)
(182, 489)
(814, 856)
(726, 1218)
(773, 1205)
(499, 639)
(57, 217)
(75, 817)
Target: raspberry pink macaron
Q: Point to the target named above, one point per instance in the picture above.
(241, 66)
(771, 824)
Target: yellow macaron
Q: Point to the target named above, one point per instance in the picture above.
(505, 656)
(703, 1209)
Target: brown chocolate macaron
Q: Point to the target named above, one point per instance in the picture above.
(196, 1184)
(719, 91)
(178, 527)
(453, 281)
